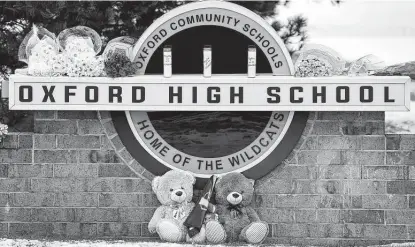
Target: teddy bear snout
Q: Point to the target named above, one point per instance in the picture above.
(178, 195)
(234, 198)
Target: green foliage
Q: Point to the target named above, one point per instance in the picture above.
(119, 65)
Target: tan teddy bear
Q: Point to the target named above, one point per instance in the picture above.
(174, 190)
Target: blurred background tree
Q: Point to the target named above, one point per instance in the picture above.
(111, 19)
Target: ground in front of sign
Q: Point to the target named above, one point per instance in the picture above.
(99, 243)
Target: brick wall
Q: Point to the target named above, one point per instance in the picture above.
(345, 183)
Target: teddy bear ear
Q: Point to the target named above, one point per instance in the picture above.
(190, 176)
(155, 183)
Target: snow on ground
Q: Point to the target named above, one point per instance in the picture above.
(401, 122)
(101, 243)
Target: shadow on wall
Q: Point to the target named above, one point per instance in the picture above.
(402, 122)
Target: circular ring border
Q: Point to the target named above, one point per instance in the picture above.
(145, 159)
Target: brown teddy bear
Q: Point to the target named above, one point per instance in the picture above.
(237, 220)
(174, 190)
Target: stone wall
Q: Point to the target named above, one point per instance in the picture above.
(345, 183)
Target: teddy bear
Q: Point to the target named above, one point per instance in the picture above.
(174, 190)
(237, 220)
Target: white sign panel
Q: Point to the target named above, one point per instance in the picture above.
(217, 93)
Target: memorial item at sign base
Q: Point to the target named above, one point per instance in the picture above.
(196, 219)
(3, 131)
(237, 220)
(118, 62)
(174, 190)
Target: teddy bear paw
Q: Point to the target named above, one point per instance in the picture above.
(169, 231)
(256, 232)
(215, 232)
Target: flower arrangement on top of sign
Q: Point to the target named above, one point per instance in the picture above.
(74, 53)
(315, 60)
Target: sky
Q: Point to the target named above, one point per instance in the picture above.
(385, 28)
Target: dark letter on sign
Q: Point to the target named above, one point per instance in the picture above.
(67, 93)
(173, 94)
(387, 100)
(339, 97)
(292, 95)
(29, 92)
(117, 94)
(239, 94)
(88, 94)
(48, 94)
(322, 94)
(362, 94)
(273, 92)
(142, 94)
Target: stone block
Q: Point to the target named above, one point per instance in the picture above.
(16, 215)
(55, 156)
(384, 172)
(77, 115)
(277, 186)
(120, 200)
(25, 141)
(15, 156)
(55, 127)
(70, 230)
(44, 115)
(364, 216)
(272, 215)
(396, 217)
(115, 170)
(78, 142)
(31, 199)
(76, 199)
(384, 201)
(373, 143)
(329, 216)
(305, 216)
(374, 158)
(325, 157)
(45, 141)
(326, 128)
(136, 214)
(98, 215)
(10, 142)
(339, 172)
(385, 231)
(53, 214)
(90, 127)
(339, 142)
(14, 185)
(408, 142)
(117, 230)
(97, 156)
(76, 170)
(393, 142)
(331, 201)
(31, 171)
(297, 201)
(400, 158)
(30, 230)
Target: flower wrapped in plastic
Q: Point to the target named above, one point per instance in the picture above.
(365, 65)
(313, 67)
(3, 130)
(318, 60)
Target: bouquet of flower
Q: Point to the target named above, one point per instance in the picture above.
(72, 53)
(3, 131)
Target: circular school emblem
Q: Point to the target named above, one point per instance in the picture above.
(209, 142)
